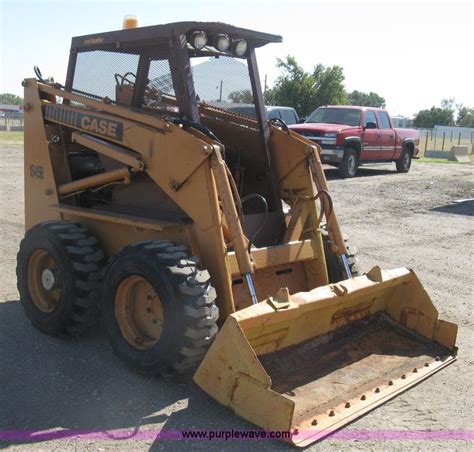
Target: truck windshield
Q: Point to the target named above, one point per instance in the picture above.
(346, 116)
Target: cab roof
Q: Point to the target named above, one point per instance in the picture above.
(151, 35)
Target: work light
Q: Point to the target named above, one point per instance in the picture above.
(221, 42)
(239, 47)
(198, 40)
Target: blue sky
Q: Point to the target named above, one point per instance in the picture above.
(412, 52)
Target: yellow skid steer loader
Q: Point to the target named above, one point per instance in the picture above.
(158, 194)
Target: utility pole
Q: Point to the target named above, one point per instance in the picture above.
(220, 94)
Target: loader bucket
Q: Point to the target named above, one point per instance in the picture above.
(312, 362)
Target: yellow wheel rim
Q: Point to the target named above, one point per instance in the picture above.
(139, 312)
(43, 282)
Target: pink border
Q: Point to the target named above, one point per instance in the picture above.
(219, 435)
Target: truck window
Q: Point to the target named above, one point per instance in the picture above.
(273, 114)
(370, 117)
(335, 115)
(384, 121)
(288, 116)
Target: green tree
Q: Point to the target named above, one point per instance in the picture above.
(465, 116)
(293, 88)
(366, 99)
(435, 116)
(10, 99)
(244, 96)
(447, 104)
(329, 86)
(306, 91)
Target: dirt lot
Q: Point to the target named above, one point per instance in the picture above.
(395, 220)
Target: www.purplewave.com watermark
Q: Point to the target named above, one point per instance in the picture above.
(142, 435)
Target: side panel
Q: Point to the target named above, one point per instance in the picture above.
(40, 185)
(176, 161)
(124, 234)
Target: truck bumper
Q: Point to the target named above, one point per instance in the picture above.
(332, 153)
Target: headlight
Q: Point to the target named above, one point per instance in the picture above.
(222, 42)
(239, 47)
(198, 40)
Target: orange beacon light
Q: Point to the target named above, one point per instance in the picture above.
(130, 21)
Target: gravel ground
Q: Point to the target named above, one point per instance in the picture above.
(394, 219)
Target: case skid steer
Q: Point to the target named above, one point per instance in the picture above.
(206, 238)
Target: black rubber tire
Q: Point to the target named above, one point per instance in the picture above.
(80, 263)
(188, 300)
(403, 164)
(345, 169)
(334, 264)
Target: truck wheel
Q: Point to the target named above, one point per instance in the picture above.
(349, 164)
(404, 163)
(158, 308)
(59, 272)
(334, 264)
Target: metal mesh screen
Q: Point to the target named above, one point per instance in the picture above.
(223, 82)
(159, 91)
(160, 78)
(99, 73)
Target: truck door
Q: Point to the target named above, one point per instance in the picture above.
(387, 136)
(371, 138)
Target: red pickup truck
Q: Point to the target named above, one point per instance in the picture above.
(350, 136)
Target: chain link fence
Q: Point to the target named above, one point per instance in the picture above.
(11, 121)
(442, 138)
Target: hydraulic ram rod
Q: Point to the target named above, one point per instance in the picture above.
(118, 175)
